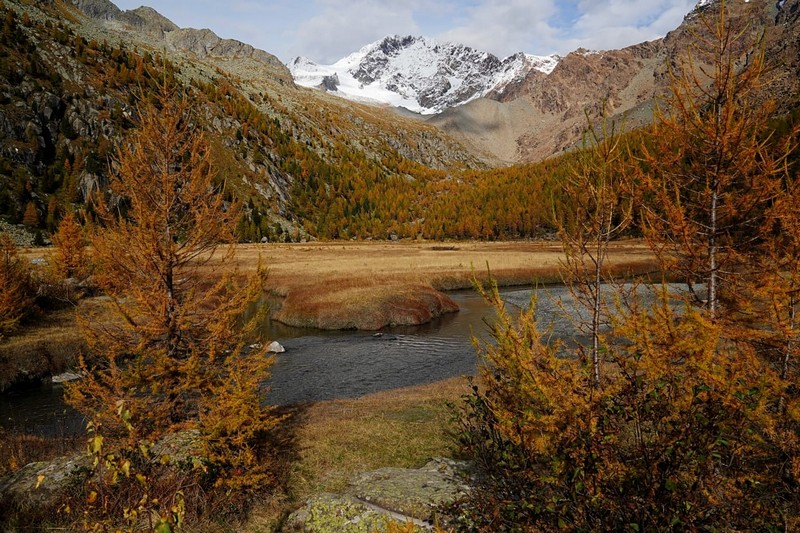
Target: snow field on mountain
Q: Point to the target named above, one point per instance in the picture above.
(419, 74)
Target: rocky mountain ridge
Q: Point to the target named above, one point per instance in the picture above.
(419, 74)
(545, 115)
(202, 43)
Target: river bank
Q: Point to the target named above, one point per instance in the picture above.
(371, 285)
(40, 350)
(337, 285)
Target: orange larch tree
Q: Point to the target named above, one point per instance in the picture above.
(70, 259)
(600, 212)
(167, 348)
(710, 174)
(14, 298)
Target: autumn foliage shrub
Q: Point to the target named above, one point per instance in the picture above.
(164, 486)
(67, 278)
(71, 259)
(685, 434)
(15, 287)
(165, 348)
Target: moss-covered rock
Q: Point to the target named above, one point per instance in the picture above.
(417, 493)
(408, 497)
(43, 486)
(184, 449)
(332, 513)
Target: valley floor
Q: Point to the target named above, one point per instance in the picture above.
(445, 266)
(368, 285)
(342, 285)
(327, 443)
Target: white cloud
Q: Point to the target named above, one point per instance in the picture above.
(610, 24)
(560, 26)
(507, 27)
(327, 30)
(344, 26)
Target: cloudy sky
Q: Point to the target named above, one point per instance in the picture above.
(327, 30)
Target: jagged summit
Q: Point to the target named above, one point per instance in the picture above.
(98, 9)
(418, 73)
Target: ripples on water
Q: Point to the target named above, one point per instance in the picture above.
(327, 365)
(350, 364)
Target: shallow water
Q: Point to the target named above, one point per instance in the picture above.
(323, 365)
(327, 365)
(40, 410)
(317, 365)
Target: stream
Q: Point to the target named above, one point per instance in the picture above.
(324, 365)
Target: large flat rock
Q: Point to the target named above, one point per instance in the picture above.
(404, 496)
(417, 493)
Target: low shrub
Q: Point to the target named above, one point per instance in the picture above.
(684, 434)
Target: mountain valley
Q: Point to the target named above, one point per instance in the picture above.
(213, 210)
(310, 164)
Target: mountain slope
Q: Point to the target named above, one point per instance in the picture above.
(69, 83)
(549, 113)
(418, 74)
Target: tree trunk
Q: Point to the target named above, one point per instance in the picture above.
(596, 304)
(789, 349)
(712, 255)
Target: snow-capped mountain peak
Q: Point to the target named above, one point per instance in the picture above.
(418, 73)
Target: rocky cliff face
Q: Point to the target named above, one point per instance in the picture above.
(147, 20)
(98, 9)
(788, 48)
(203, 43)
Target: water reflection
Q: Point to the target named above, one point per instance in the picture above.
(40, 410)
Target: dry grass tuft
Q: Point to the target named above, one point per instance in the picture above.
(17, 449)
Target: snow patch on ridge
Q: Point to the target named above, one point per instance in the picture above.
(703, 3)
